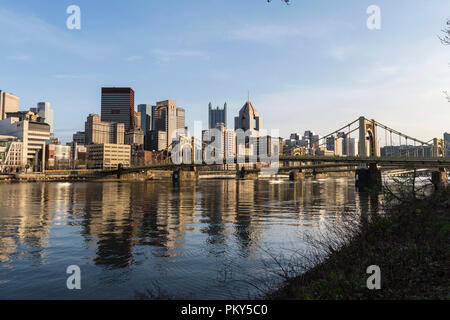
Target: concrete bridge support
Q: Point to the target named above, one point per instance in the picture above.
(295, 175)
(440, 179)
(244, 174)
(368, 142)
(119, 171)
(180, 175)
(368, 178)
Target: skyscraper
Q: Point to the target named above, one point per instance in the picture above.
(98, 132)
(311, 139)
(147, 114)
(447, 143)
(137, 119)
(118, 106)
(248, 119)
(217, 116)
(33, 135)
(44, 111)
(168, 118)
(80, 137)
(8, 103)
(331, 143)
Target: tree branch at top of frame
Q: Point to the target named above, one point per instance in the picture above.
(445, 39)
(285, 1)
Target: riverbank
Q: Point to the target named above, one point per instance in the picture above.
(410, 244)
(82, 176)
(75, 176)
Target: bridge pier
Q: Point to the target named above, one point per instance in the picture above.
(439, 179)
(368, 178)
(179, 175)
(119, 171)
(244, 174)
(295, 175)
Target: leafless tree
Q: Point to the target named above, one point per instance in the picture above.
(447, 96)
(445, 39)
(286, 1)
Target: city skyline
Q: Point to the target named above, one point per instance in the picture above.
(326, 72)
(141, 107)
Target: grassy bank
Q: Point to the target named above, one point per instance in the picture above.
(410, 244)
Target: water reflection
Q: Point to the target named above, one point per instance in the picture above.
(176, 234)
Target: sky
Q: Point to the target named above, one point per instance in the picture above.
(310, 65)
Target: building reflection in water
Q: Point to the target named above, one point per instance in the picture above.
(123, 224)
(25, 225)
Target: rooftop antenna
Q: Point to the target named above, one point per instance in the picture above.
(248, 96)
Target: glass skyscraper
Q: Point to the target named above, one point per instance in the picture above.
(447, 143)
(216, 116)
(118, 106)
(147, 116)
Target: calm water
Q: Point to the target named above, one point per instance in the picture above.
(197, 241)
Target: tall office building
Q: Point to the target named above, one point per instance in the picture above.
(98, 132)
(147, 114)
(8, 103)
(344, 145)
(181, 118)
(118, 106)
(331, 143)
(79, 137)
(312, 140)
(226, 140)
(352, 152)
(45, 112)
(170, 119)
(33, 135)
(137, 120)
(447, 143)
(134, 137)
(335, 144)
(217, 116)
(108, 156)
(248, 119)
(155, 140)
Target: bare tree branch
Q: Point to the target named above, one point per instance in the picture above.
(447, 96)
(286, 1)
(446, 38)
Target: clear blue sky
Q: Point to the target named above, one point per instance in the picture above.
(310, 65)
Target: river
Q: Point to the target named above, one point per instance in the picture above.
(201, 240)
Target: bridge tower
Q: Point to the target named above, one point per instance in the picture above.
(439, 177)
(438, 150)
(368, 177)
(368, 144)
